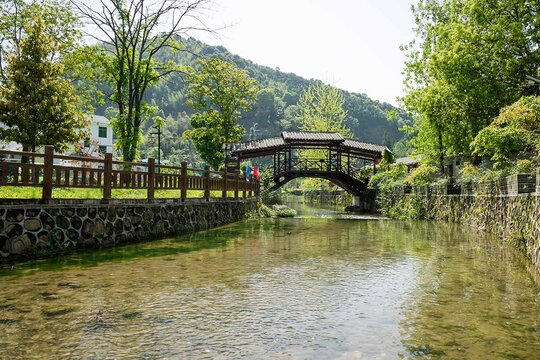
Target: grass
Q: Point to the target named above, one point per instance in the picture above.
(25, 192)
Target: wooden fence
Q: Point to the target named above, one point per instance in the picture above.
(50, 171)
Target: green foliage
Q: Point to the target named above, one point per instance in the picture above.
(423, 175)
(316, 184)
(275, 108)
(37, 105)
(320, 108)
(407, 208)
(468, 61)
(387, 157)
(17, 18)
(515, 130)
(271, 198)
(393, 174)
(469, 174)
(174, 148)
(219, 91)
(127, 62)
(286, 213)
(283, 211)
(265, 211)
(524, 166)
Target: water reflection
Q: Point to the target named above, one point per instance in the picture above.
(301, 288)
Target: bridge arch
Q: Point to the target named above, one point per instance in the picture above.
(336, 159)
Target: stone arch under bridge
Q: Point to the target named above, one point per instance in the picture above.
(325, 155)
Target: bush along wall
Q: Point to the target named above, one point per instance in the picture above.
(509, 208)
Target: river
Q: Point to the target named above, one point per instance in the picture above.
(323, 285)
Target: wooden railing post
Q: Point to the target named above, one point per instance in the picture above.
(207, 182)
(107, 177)
(48, 163)
(258, 189)
(151, 178)
(245, 183)
(237, 186)
(183, 181)
(224, 183)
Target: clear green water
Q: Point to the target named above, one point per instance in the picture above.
(319, 286)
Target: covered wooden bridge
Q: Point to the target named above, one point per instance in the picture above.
(326, 155)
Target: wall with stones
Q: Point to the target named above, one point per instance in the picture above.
(514, 218)
(32, 230)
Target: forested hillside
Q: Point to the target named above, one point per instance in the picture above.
(274, 111)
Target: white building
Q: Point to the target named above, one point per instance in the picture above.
(99, 142)
(101, 138)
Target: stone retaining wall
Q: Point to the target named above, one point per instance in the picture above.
(515, 219)
(33, 230)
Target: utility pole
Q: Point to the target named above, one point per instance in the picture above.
(158, 133)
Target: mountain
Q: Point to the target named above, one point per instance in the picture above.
(274, 111)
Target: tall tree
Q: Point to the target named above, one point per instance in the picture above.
(133, 33)
(320, 108)
(219, 91)
(37, 105)
(16, 19)
(469, 59)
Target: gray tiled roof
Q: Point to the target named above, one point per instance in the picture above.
(358, 145)
(311, 136)
(411, 160)
(290, 137)
(259, 144)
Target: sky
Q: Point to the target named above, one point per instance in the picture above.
(351, 44)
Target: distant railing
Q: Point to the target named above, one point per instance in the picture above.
(48, 171)
(511, 185)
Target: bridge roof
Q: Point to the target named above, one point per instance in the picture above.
(269, 146)
(292, 136)
(358, 145)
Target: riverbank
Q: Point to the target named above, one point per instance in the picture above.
(41, 230)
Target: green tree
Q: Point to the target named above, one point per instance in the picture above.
(37, 105)
(17, 17)
(132, 35)
(320, 108)
(219, 91)
(469, 59)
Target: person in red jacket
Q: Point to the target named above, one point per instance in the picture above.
(256, 172)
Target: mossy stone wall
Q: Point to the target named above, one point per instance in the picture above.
(30, 230)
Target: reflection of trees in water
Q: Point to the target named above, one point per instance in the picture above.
(474, 300)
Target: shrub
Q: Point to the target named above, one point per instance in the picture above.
(393, 175)
(271, 198)
(266, 211)
(423, 175)
(468, 174)
(286, 213)
(524, 167)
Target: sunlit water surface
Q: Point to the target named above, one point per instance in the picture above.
(324, 285)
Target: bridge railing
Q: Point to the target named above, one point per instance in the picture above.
(51, 171)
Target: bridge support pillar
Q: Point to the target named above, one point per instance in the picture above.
(356, 200)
